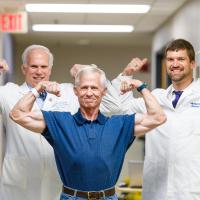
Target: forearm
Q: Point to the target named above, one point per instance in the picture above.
(155, 116)
(25, 104)
(153, 108)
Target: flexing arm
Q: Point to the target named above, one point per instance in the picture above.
(22, 112)
(155, 115)
(132, 68)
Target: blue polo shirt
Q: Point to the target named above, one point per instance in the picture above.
(89, 154)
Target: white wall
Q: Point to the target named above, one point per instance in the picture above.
(112, 59)
(184, 24)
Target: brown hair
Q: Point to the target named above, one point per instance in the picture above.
(182, 44)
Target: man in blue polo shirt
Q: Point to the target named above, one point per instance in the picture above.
(89, 147)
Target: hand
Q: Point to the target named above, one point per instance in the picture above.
(129, 85)
(75, 68)
(3, 65)
(50, 87)
(135, 65)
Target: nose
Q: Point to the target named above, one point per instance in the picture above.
(175, 63)
(89, 92)
(39, 70)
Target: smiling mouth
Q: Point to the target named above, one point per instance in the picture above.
(176, 70)
(38, 78)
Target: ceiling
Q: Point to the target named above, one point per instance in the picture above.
(145, 24)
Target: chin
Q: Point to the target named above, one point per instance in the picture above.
(88, 105)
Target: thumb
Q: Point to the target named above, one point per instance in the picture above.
(145, 61)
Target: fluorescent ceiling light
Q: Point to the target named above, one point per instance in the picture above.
(81, 28)
(88, 8)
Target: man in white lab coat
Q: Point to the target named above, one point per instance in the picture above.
(28, 170)
(172, 159)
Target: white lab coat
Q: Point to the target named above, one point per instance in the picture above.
(28, 168)
(172, 158)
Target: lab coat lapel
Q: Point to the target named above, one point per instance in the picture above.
(184, 100)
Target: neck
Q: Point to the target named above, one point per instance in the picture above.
(90, 113)
(182, 84)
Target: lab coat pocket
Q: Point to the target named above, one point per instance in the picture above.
(15, 171)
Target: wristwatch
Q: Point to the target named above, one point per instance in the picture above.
(141, 87)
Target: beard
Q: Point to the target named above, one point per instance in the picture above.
(177, 77)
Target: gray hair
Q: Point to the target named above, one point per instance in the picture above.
(91, 69)
(33, 47)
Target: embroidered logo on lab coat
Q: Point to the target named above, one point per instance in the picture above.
(195, 104)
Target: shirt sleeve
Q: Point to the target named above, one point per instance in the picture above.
(129, 129)
(110, 104)
(47, 133)
(124, 98)
(54, 125)
(123, 127)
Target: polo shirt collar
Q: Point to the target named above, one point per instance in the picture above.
(101, 119)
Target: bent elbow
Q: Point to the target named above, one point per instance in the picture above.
(161, 118)
(14, 116)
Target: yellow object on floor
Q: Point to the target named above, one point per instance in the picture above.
(128, 193)
(133, 196)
